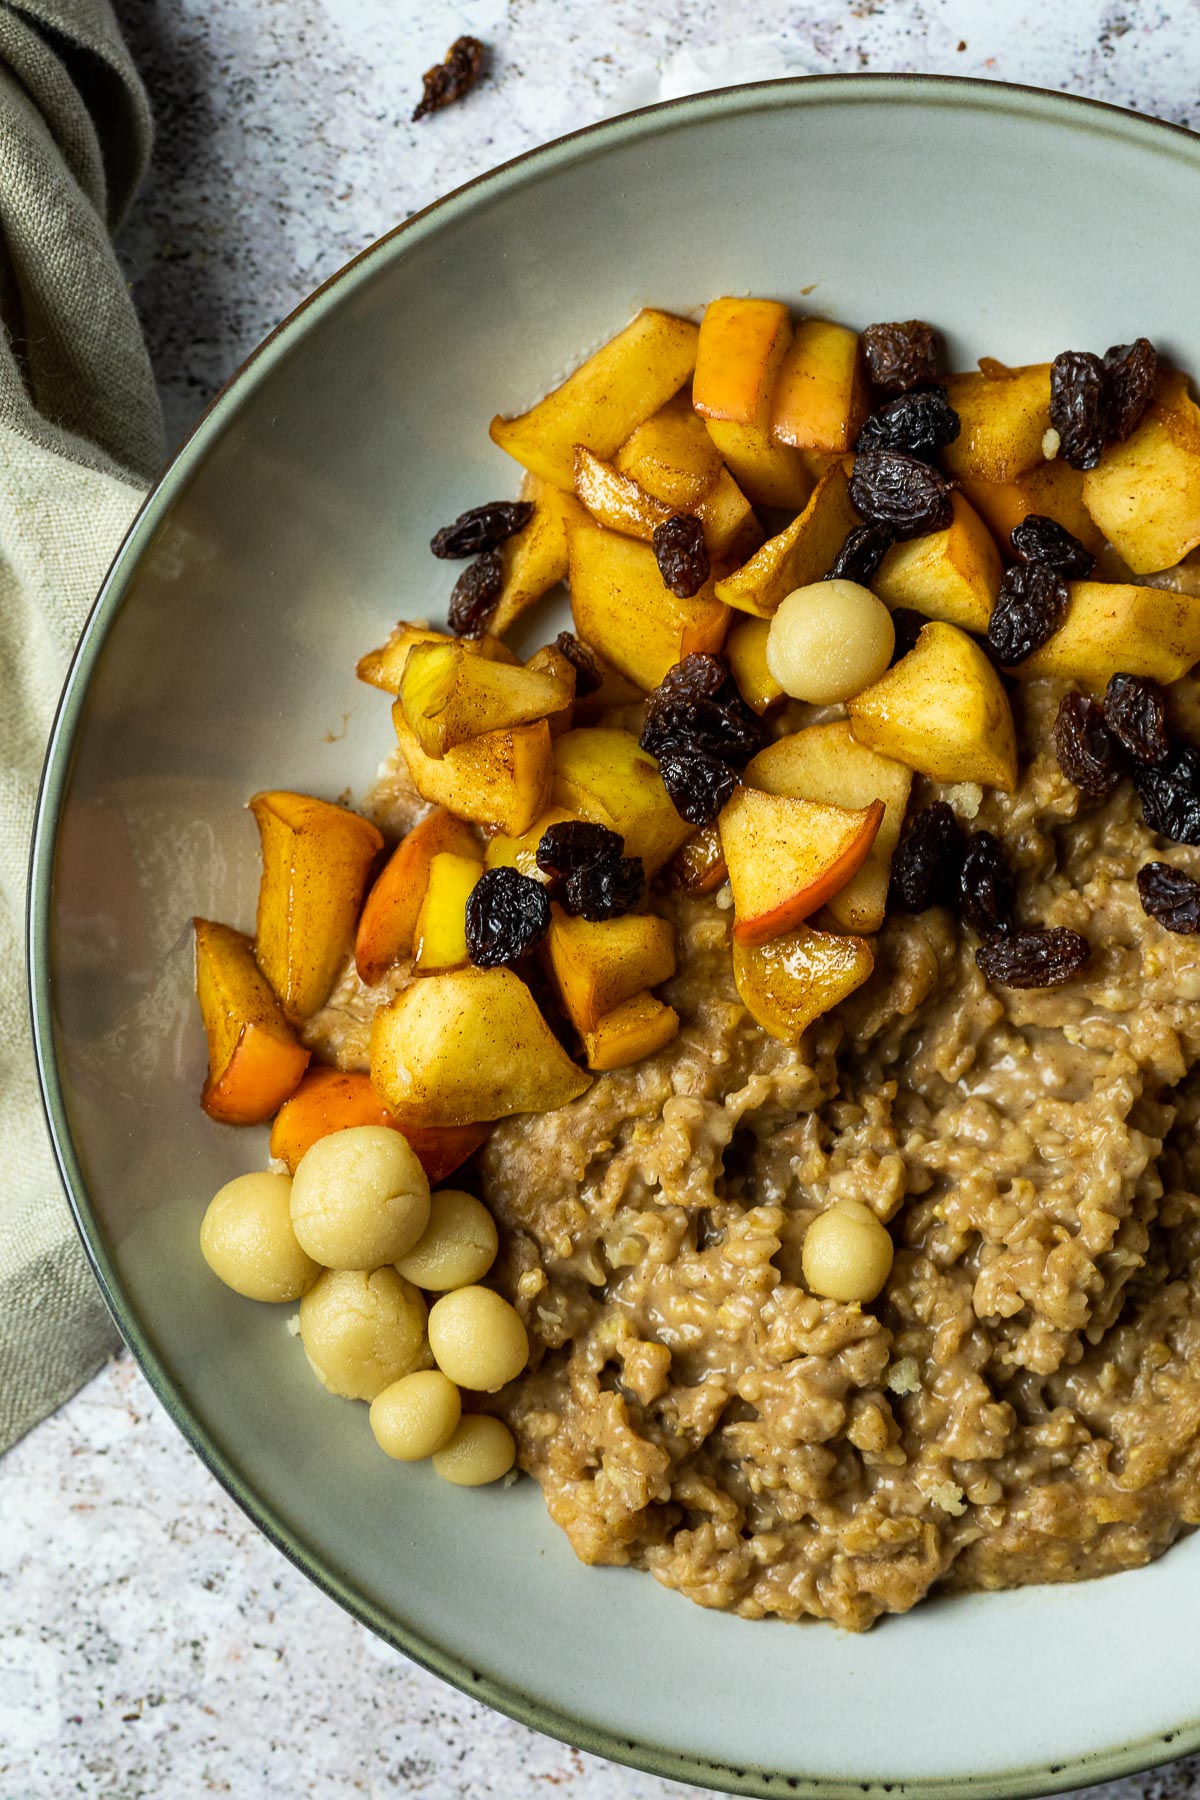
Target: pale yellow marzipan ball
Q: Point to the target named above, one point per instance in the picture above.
(360, 1198)
(247, 1239)
(481, 1450)
(458, 1245)
(363, 1330)
(847, 1254)
(477, 1338)
(416, 1415)
(829, 641)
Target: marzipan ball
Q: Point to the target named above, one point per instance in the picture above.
(362, 1331)
(830, 641)
(458, 1245)
(359, 1198)
(477, 1338)
(416, 1415)
(847, 1253)
(247, 1239)
(481, 1450)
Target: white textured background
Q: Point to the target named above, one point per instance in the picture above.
(151, 1643)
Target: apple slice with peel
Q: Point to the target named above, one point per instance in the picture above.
(791, 981)
(388, 923)
(786, 857)
(254, 1059)
(330, 1100)
(742, 343)
(942, 710)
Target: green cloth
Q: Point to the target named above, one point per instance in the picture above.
(80, 435)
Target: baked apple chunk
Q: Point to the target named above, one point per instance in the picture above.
(254, 1059)
(786, 857)
(792, 980)
(943, 711)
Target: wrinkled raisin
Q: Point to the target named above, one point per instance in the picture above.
(889, 487)
(985, 887)
(605, 890)
(1030, 607)
(573, 844)
(908, 626)
(1087, 752)
(900, 355)
(697, 705)
(507, 913)
(928, 859)
(450, 80)
(589, 676)
(1079, 407)
(482, 528)
(1170, 896)
(1051, 546)
(1170, 796)
(1034, 959)
(1131, 370)
(1135, 711)
(861, 554)
(681, 554)
(921, 422)
(698, 782)
(475, 594)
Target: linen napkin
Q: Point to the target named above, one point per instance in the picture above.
(80, 434)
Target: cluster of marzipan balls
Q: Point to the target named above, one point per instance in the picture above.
(355, 1235)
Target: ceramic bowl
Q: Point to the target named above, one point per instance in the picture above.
(286, 537)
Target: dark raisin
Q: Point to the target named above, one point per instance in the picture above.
(1170, 896)
(861, 554)
(985, 887)
(908, 626)
(1131, 370)
(482, 528)
(450, 80)
(1135, 711)
(573, 844)
(1030, 607)
(1051, 546)
(1034, 959)
(1170, 796)
(1087, 752)
(889, 487)
(605, 890)
(900, 356)
(507, 913)
(681, 554)
(475, 595)
(928, 859)
(698, 782)
(589, 676)
(921, 422)
(697, 704)
(1079, 407)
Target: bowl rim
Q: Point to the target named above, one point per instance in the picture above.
(1077, 113)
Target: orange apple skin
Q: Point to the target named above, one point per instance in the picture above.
(329, 1100)
(389, 918)
(254, 1059)
(799, 906)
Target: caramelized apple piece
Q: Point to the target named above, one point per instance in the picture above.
(698, 866)
(622, 606)
(520, 853)
(1118, 628)
(791, 981)
(440, 939)
(953, 575)
(820, 398)
(607, 777)
(389, 919)
(742, 344)
(501, 779)
(1004, 415)
(787, 857)
(384, 668)
(672, 456)
(598, 966)
(941, 710)
(636, 1028)
(824, 763)
(449, 697)
(1053, 489)
(549, 660)
(1144, 494)
(534, 558)
(329, 1100)
(746, 651)
(254, 1061)
(803, 553)
(625, 381)
(316, 862)
(468, 1046)
(615, 499)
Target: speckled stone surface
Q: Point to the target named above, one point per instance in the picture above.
(151, 1642)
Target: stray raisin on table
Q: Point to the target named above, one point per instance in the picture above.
(452, 79)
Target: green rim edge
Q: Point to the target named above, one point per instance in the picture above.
(953, 91)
